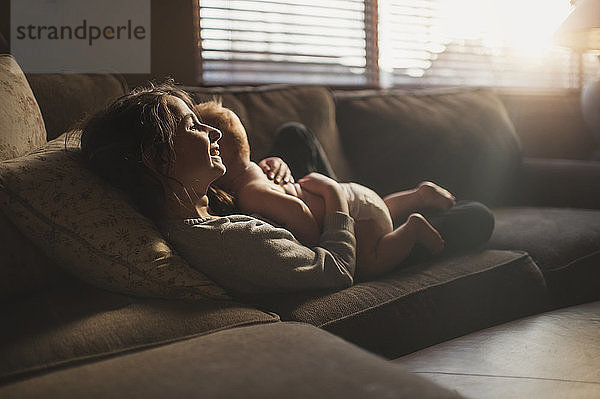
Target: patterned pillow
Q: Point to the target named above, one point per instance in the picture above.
(90, 228)
(21, 124)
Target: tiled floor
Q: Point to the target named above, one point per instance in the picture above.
(552, 355)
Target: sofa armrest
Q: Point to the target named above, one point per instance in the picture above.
(559, 183)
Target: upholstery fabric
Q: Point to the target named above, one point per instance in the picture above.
(462, 139)
(66, 99)
(24, 267)
(565, 243)
(90, 228)
(417, 306)
(4, 49)
(263, 110)
(21, 124)
(559, 183)
(77, 323)
(281, 360)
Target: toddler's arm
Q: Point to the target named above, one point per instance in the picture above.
(328, 189)
(288, 211)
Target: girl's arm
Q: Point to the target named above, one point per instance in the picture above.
(249, 256)
(262, 258)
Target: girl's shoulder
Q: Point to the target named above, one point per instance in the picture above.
(207, 223)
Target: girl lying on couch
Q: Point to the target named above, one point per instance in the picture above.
(151, 144)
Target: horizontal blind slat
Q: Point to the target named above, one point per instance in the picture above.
(291, 29)
(254, 16)
(285, 9)
(330, 4)
(250, 35)
(273, 57)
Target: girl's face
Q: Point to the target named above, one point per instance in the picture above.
(197, 160)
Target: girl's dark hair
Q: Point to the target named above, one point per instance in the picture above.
(140, 124)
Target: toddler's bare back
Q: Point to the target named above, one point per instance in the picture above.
(260, 186)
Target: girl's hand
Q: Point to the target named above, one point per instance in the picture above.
(277, 170)
(328, 189)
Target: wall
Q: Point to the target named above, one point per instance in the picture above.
(173, 40)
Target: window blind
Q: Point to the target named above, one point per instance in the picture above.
(269, 41)
(453, 42)
(387, 43)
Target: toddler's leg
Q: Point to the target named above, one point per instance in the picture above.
(426, 195)
(379, 254)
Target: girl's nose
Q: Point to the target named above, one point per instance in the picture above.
(214, 134)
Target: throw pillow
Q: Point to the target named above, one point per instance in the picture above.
(21, 124)
(91, 229)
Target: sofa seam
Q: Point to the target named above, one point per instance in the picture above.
(342, 96)
(570, 263)
(261, 89)
(82, 360)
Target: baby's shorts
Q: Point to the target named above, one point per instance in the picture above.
(366, 204)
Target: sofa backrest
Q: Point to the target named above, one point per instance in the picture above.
(66, 99)
(461, 138)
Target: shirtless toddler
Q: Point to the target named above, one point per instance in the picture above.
(380, 247)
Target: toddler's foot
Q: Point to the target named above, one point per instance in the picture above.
(434, 196)
(425, 233)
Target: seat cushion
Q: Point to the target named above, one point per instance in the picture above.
(76, 322)
(423, 304)
(565, 243)
(281, 360)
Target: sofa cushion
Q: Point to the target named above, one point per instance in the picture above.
(268, 361)
(565, 243)
(423, 304)
(24, 267)
(21, 124)
(264, 109)
(91, 229)
(66, 99)
(76, 323)
(462, 139)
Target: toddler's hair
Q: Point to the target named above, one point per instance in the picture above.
(235, 139)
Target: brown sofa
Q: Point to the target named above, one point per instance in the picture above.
(65, 337)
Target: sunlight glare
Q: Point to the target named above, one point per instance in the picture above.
(524, 26)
